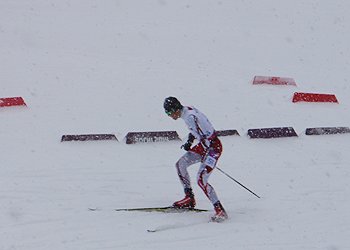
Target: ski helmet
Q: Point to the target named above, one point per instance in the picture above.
(171, 104)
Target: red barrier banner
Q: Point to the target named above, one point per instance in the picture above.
(145, 137)
(90, 137)
(12, 101)
(310, 97)
(273, 80)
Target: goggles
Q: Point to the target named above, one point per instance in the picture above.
(170, 111)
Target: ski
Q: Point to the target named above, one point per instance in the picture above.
(169, 209)
(95, 209)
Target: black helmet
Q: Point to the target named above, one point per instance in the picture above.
(171, 104)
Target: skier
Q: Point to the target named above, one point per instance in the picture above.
(207, 152)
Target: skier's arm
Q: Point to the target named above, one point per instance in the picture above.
(193, 126)
(198, 132)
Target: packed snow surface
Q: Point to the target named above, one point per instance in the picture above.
(91, 67)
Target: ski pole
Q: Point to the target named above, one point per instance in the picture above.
(237, 182)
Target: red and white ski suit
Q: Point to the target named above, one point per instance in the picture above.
(207, 151)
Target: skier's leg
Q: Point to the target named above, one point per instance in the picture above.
(181, 166)
(205, 170)
(202, 180)
(183, 163)
(208, 163)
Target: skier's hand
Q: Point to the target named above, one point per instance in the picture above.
(186, 146)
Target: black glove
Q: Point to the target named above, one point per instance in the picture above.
(188, 144)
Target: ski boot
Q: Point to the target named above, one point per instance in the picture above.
(188, 202)
(221, 214)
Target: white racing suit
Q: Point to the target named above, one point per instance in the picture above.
(207, 152)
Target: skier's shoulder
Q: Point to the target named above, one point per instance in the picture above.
(190, 110)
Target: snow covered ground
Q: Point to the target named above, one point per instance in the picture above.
(89, 66)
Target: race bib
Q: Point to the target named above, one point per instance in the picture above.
(210, 161)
